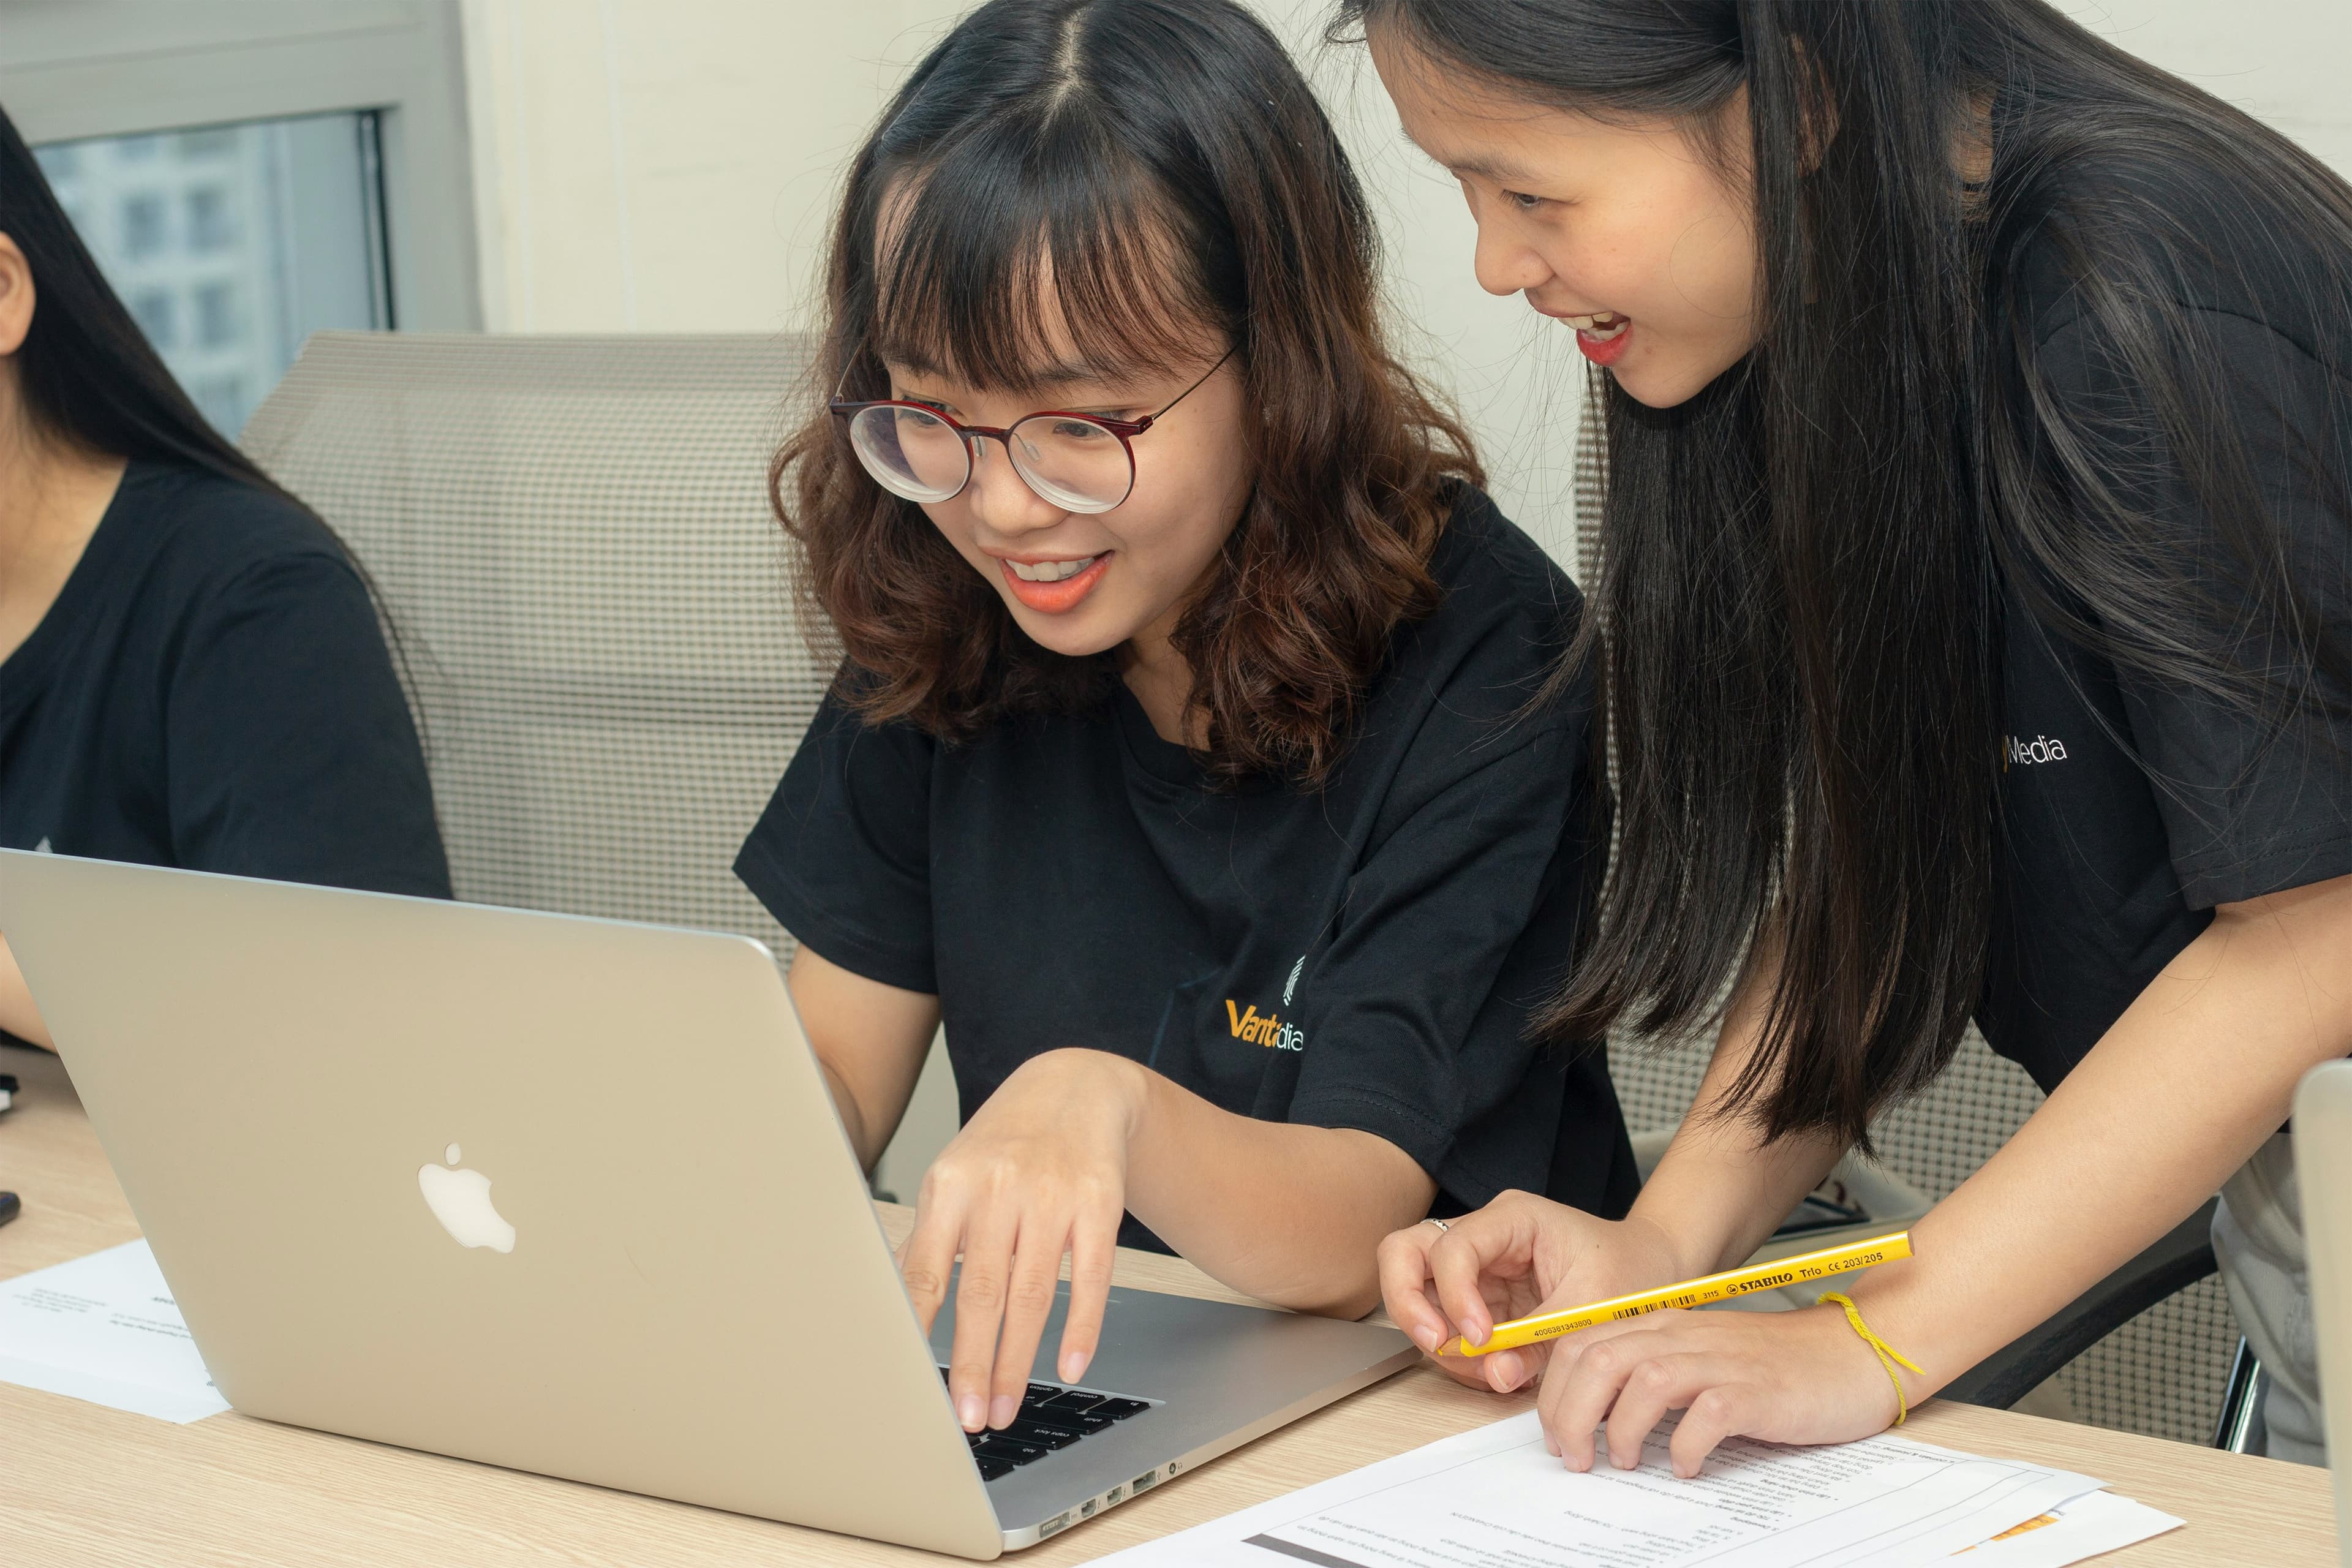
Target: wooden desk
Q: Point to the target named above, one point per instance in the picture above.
(92, 1485)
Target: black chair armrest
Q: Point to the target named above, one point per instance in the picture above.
(2182, 1257)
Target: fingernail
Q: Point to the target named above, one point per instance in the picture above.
(1073, 1365)
(1426, 1338)
(1475, 1333)
(1002, 1412)
(971, 1412)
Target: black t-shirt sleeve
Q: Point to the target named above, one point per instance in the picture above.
(290, 749)
(842, 855)
(2258, 799)
(1416, 1014)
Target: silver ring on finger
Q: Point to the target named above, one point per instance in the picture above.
(1442, 1227)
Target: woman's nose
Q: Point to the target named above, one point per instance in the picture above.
(1505, 263)
(1000, 499)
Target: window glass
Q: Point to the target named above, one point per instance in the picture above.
(231, 244)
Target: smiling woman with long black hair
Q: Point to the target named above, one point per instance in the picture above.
(190, 669)
(1975, 640)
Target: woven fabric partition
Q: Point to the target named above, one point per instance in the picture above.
(572, 538)
(2162, 1373)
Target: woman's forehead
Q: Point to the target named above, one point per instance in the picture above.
(999, 300)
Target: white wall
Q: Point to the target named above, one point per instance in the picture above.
(2281, 60)
(657, 166)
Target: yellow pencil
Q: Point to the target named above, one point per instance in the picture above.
(1745, 1281)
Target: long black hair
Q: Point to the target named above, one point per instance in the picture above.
(90, 379)
(1796, 620)
(88, 375)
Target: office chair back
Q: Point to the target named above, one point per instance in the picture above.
(2162, 1373)
(572, 538)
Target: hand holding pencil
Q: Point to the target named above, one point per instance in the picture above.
(1804, 1268)
(1519, 1255)
(1819, 1376)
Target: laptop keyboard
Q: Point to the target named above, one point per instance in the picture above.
(1051, 1417)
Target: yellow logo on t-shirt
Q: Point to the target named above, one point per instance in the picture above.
(1265, 1029)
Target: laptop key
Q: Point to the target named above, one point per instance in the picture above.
(1012, 1450)
(1042, 1434)
(992, 1469)
(1073, 1401)
(1120, 1409)
(1082, 1422)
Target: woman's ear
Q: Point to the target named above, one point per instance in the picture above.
(15, 296)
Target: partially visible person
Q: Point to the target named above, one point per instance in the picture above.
(192, 672)
(1974, 634)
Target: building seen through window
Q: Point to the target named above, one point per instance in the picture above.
(231, 244)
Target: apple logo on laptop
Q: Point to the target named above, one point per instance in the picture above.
(460, 1200)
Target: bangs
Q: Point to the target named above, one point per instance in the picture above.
(1030, 254)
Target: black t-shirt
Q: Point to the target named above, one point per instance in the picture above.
(2131, 807)
(1365, 957)
(211, 691)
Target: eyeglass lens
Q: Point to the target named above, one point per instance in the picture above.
(1072, 462)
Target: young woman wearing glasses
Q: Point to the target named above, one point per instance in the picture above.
(1191, 758)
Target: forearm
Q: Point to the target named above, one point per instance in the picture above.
(1289, 1213)
(17, 1014)
(869, 1039)
(2138, 1134)
(868, 1148)
(1721, 1191)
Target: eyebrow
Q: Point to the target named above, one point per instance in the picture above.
(1502, 170)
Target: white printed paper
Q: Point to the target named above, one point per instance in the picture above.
(1494, 1499)
(104, 1327)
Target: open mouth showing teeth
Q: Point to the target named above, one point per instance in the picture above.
(1050, 571)
(1601, 326)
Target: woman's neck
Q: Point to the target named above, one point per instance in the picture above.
(1162, 682)
(53, 495)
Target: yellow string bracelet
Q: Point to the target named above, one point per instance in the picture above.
(1887, 1354)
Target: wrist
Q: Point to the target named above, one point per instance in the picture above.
(1686, 1252)
(1942, 1336)
(1875, 1363)
(1100, 1080)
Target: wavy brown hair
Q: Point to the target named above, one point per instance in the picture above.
(1126, 181)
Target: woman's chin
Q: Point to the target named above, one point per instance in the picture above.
(1081, 633)
(1668, 381)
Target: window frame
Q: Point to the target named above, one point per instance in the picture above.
(120, 68)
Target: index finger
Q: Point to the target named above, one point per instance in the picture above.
(1403, 1260)
(1478, 1246)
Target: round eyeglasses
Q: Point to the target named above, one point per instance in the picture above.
(1079, 462)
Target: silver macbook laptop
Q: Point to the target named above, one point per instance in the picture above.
(2322, 1178)
(570, 1196)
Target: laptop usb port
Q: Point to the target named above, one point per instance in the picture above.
(1144, 1482)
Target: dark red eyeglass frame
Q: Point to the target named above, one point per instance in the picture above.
(1125, 429)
